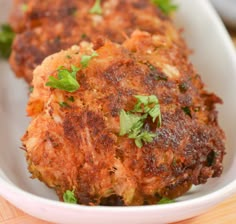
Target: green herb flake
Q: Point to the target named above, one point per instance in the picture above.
(72, 11)
(144, 136)
(83, 35)
(97, 8)
(149, 105)
(165, 201)
(57, 40)
(69, 197)
(183, 87)
(161, 77)
(158, 75)
(7, 36)
(166, 6)
(211, 158)
(85, 59)
(71, 99)
(31, 89)
(128, 122)
(174, 162)
(63, 104)
(187, 111)
(132, 123)
(151, 67)
(24, 7)
(66, 79)
(197, 109)
(68, 56)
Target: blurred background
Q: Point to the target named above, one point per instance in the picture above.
(227, 11)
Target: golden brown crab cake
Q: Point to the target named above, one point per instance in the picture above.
(48, 28)
(74, 140)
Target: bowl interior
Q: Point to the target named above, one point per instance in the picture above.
(213, 62)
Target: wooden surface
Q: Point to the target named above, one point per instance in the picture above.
(233, 35)
(225, 213)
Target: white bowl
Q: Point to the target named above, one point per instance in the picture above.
(227, 10)
(215, 59)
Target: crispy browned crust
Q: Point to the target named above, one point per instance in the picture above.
(78, 147)
(46, 28)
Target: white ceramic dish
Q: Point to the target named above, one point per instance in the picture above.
(215, 60)
(227, 10)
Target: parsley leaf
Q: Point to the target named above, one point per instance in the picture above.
(165, 201)
(144, 136)
(83, 36)
(137, 127)
(66, 79)
(166, 6)
(183, 87)
(71, 99)
(149, 105)
(187, 111)
(132, 123)
(7, 36)
(24, 7)
(128, 122)
(63, 104)
(31, 89)
(69, 197)
(85, 59)
(68, 56)
(96, 9)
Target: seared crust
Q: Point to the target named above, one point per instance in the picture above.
(46, 28)
(78, 146)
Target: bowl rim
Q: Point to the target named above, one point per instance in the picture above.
(224, 192)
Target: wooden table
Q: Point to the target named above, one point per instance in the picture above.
(225, 213)
(233, 35)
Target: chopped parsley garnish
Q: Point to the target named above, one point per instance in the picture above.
(71, 99)
(128, 122)
(144, 136)
(158, 75)
(197, 109)
(149, 105)
(57, 40)
(63, 104)
(85, 59)
(66, 104)
(187, 111)
(24, 7)
(165, 201)
(132, 122)
(83, 35)
(66, 79)
(166, 6)
(31, 89)
(7, 36)
(68, 56)
(183, 87)
(211, 158)
(174, 162)
(69, 197)
(72, 11)
(97, 8)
